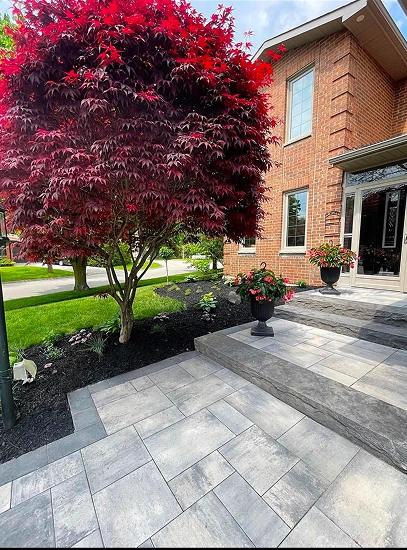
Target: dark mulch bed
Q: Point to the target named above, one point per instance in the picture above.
(43, 404)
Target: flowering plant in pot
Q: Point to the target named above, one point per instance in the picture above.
(262, 286)
(329, 258)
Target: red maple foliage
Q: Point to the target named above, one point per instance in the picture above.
(124, 121)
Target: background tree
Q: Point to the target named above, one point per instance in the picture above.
(166, 253)
(121, 120)
(6, 40)
(213, 249)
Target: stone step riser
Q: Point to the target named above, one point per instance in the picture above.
(386, 315)
(369, 422)
(307, 317)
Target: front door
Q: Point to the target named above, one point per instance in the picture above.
(376, 216)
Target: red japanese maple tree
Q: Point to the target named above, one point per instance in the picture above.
(125, 121)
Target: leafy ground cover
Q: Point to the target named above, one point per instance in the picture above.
(154, 265)
(27, 273)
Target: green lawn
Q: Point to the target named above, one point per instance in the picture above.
(154, 265)
(23, 273)
(30, 325)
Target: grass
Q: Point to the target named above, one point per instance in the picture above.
(26, 273)
(154, 265)
(30, 325)
(20, 303)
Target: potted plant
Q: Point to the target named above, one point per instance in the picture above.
(262, 286)
(329, 258)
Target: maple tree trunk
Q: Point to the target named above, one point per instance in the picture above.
(214, 263)
(79, 268)
(126, 322)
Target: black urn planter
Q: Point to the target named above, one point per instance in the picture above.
(330, 275)
(262, 311)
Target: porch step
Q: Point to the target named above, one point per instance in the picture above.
(371, 423)
(349, 324)
(388, 315)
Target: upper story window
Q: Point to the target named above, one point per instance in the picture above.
(300, 95)
(295, 220)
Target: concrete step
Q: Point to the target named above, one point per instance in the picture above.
(388, 315)
(371, 423)
(380, 333)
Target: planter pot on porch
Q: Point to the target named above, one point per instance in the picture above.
(262, 311)
(330, 276)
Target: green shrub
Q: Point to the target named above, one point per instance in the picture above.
(157, 328)
(187, 292)
(96, 343)
(191, 278)
(111, 325)
(6, 262)
(302, 284)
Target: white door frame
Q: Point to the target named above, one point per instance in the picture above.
(371, 281)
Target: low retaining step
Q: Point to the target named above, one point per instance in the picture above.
(388, 315)
(387, 335)
(376, 426)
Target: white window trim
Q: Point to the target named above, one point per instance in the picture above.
(292, 249)
(246, 249)
(290, 82)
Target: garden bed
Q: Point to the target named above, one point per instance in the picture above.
(43, 404)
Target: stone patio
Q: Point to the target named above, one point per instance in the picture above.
(185, 453)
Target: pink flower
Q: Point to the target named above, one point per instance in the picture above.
(236, 281)
(252, 291)
(352, 265)
(286, 280)
(267, 279)
(257, 298)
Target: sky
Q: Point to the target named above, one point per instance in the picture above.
(268, 18)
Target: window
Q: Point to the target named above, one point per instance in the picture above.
(295, 220)
(248, 245)
(299, 116)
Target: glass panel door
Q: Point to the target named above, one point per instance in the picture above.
(381, 231)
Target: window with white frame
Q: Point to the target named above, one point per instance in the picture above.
(248, 245)
(300, 100)
(295, 220)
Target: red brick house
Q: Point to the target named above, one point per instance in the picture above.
(341, 89)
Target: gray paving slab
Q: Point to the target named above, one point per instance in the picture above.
(200, 366)
(22, 465)
(386, 382)
(234, 380)
(290, 337)
(94, 540)
(99, 386)
(29, 524)
(5, 497)
(295, 493)
(142, 383)
(158, 422)
(371, 357)
(73, 442)
(192, 484)
(228, 415)
(399, 358)
(260, 523)
(133, 408)
(164, 364)
(199, 394)
(181, 445)
(315, 530)
(332, 336)
(258, 458)
(320, 448)
(147, 544)
(347, 365)
(292, 354)
(79, 400)
(269, 413)
(112, 394)
(142, 503)
(372, 346)
(332, 374)
(305, 346)
(368, 501)
(171, 378)
(317, 341)
(37, 482)
(125, 377)
(113, 457)
(206, 524)
(85, 418)
(73, 511)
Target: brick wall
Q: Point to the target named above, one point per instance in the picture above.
(353, 107)
(400, 109)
